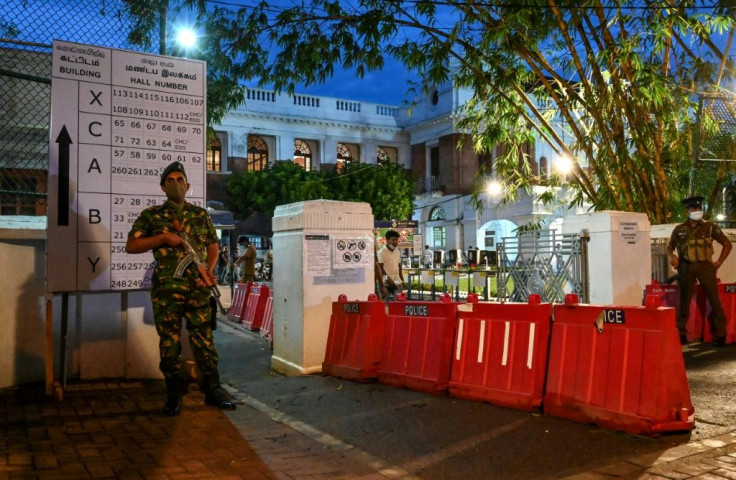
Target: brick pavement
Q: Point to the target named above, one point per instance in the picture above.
(710, 459)
(117, 430)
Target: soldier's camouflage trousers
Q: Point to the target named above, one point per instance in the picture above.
(174, 302)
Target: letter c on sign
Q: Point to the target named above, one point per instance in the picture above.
(93, 133)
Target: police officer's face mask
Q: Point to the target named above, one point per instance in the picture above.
(695, 215)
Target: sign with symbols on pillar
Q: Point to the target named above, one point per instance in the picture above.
(118, 118)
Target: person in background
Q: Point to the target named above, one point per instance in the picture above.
(157, 229)
(223, 263)
(428, 257)
(378, 278)
(693, 243)
(269, 264)
(389, 261)
(247, 259)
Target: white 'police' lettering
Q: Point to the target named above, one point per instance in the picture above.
(615, 316)
(416, 310)
(351, 308)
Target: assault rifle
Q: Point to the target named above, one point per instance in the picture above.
(202, 267)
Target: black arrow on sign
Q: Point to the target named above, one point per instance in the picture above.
(64, 140)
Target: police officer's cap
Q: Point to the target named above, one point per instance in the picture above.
(173, 167)
(693, 202)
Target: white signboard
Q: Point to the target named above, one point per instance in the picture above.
(629, 231)
(118, 118)
(340, 260)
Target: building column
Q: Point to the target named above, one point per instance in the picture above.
(328, 153)
(284, 147)
(368, 150)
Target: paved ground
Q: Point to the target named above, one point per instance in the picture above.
(319, 427)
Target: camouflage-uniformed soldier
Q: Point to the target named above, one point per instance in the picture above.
(186, 298)
(693, 242)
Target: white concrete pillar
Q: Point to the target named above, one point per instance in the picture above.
(322, 248)
(619, 255)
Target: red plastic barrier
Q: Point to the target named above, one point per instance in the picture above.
(670, 297)
(253, 316)
(501, 353)
(355, 340)
(266, 330)
(418, 345)
(727, 294)
(240, 296)
(618, 367)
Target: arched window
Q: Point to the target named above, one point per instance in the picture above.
(344, 155)
(214, 155)
(302, 154)
(543, 168)
(386, 155)
(257, 153)
(437, 213)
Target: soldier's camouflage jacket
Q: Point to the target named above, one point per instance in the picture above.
(198, 224)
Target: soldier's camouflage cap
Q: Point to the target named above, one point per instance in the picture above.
(173, 167)
(693, 202)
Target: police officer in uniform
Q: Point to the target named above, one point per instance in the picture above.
(187, 299)
(693, 243)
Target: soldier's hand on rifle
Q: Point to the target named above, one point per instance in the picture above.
(208, 281)
(172, 239)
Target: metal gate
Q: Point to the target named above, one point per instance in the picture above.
(543, 262)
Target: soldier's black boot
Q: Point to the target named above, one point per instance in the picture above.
(213, 393)
(174, 392)
(216, 397)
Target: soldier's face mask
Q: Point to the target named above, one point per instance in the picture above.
(176, 187)
(695, 215)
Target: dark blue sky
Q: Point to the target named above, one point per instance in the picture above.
(388, 87)
(42, 21)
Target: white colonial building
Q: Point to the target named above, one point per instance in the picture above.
(321, 132)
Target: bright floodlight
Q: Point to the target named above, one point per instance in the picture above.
(494, 188)
(186, 37)
(720, 217)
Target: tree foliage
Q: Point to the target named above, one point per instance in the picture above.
(387, 188)
(611, 85)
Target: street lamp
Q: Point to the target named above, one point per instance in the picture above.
(494, 188)
(563, 164)
(186, 38)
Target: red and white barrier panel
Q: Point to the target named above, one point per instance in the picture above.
(240, 296)
(669, 295)
(727, 294)
(418, 345)
(266, 329)
(500, 353)
(355, 341)
(619, 367)
(256, 305)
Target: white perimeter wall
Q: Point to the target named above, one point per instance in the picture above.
(104, 339)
